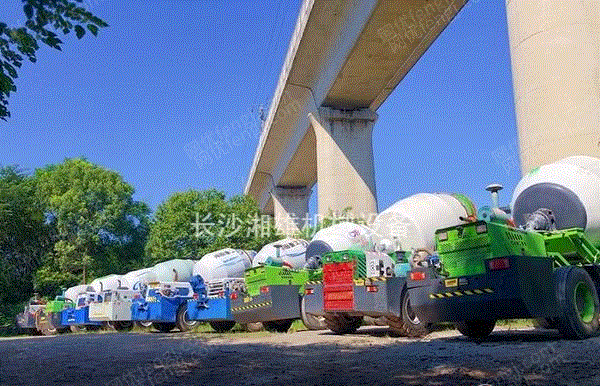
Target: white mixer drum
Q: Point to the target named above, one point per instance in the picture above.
(73, 292)
(224, 264)
(570, 188)
(291, 251)
(411, 223)
(340, 237)
(107, 283)
(176, 270)
(135, 279)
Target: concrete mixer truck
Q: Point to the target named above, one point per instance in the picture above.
(45, 317)
(215, 277)
(163, 299)
(26, 320)
(364, 271)
(78, 317)
(345, 236)
(112, 305)
(274, 286)
(542, 263)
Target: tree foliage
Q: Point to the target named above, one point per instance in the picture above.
(24, 237)
(45, 20)
(193, 223)
(99, 228)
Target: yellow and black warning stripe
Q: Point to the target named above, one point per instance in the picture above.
(370, 280)
(314, 282)
(252, 306)
(452, 294)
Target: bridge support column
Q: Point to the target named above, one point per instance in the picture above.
(291, 208)
(345, 170)
(555, 51)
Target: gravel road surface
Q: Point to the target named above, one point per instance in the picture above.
(368, 357)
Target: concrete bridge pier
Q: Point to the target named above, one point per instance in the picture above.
(290, 205)
(555, 50)
(345, 169)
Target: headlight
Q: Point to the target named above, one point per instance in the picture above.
(482, 228)
(443, 236)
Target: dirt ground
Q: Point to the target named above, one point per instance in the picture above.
(368, 357)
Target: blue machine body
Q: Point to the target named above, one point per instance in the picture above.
(216, 309)
(158, 307)
(203, 308)
(78, 317)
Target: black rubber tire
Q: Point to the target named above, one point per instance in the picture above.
(278, 325)
(164, 327)
(374, 321)
(476, 329)
(123, 326)
(93, 327)
(545, 324)
(184, 324)
(342, 323)
(253, 327)
(380, 321)
(408, 324)
(311, 322)
(569, 322)
(48, 331)
(76, 329)
(144, 325)
(222, 326)
(44, 325)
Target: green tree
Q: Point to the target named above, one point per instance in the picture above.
(45, 18)
(24, 239)
(99, 228)
(191, 224)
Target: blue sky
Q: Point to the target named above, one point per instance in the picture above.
(167, 73)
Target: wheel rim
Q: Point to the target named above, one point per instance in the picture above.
(584, 302)
(408, 311)
(187, 321)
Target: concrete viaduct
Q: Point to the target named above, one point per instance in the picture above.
(347, 56)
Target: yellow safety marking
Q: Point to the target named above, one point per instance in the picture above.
(461, 293)
(383, 278)
(247, 300)
(252, 306)
(369, 280)
(451, 283)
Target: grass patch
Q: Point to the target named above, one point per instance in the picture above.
(515, 323)
(297, 326)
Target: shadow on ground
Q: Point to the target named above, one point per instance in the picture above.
(307, 358)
